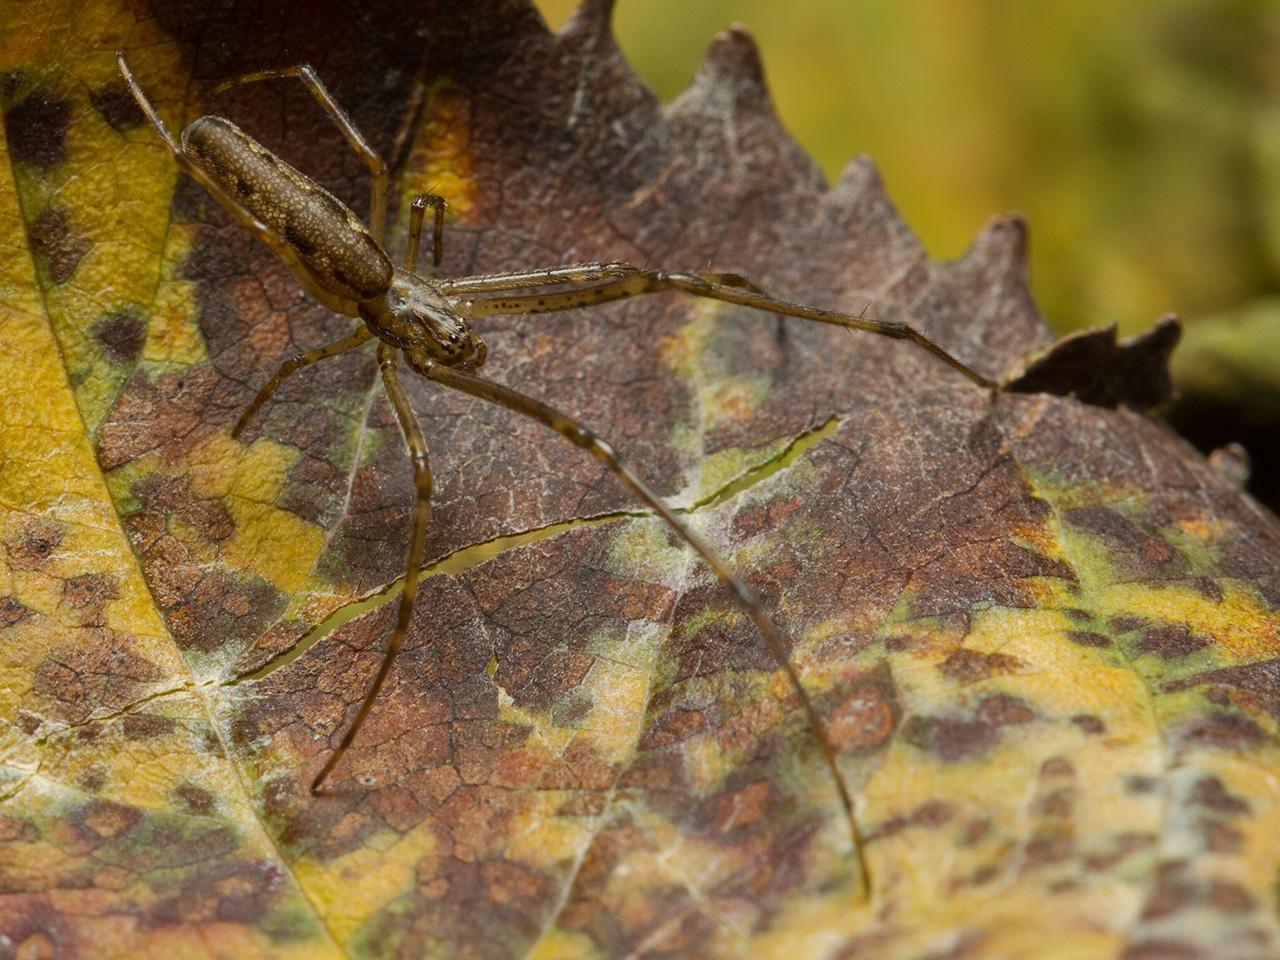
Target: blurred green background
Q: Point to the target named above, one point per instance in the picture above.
(1141, 139)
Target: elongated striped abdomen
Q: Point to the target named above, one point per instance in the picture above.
(331, 242)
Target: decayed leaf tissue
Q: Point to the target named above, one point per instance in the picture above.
(1041, 630)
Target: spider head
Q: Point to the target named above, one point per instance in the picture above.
(415, 317)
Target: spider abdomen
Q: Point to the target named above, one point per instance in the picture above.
(330, 242)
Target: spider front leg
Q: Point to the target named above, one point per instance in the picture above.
(573, 273)
(714, 287)
(377, 166)
(273, 240)
(417, 546)
(578, 434)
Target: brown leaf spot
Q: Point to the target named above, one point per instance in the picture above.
(515, 886)
(1041, 850)
(1001, 709)
(673, 727)
(537, 677)
(1057, 805)
(1174, 891)
(865, 719)
(1259, 681)
(235, 891)
(1227, 897)
(89, 595)
(1173, 642)
(173, 496)
(167, 410)
(1208, 588)
(101, 820)
(1209, 792)
(121, 335)
(37, 129)
(929, 815)
(951, 738)
(741, 807)
(117, 106)
(52, 237)
(1157, 949)
(1127, 622)
(970, 666)
(1089, 723)
(1123, 845)
(104, 674)
(12, 611)
(479, 747)
(33, 544)
(14, 829)
(93, 778)
(1137, 552)
(1141, 783)
(1227, 731)
(1057, 767)
(1088, 638)
(143, 726)
(1221, 839)
(974, 831)
(984, 874)
(958, 738)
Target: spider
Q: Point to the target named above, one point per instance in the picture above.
(341, 261)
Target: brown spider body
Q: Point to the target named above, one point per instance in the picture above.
(335, 256)
(341, 261)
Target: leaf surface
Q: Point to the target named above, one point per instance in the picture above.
(1043, 634)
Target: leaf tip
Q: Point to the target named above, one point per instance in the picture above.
(733, 61)
(859, 177)
(590, 17)
(1001, 244)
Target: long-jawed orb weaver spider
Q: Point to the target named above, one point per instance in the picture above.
(341, 262)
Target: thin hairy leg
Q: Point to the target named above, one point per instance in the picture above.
(377, 166)
(580, 435)
(709, 286)
(296, 363)
(417, 545)
(573, 273)
(242, 213)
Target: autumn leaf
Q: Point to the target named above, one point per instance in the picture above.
(1042, 633)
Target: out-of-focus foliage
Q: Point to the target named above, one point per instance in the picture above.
(1141, 139)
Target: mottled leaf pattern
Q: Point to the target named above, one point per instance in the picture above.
(1043, 634)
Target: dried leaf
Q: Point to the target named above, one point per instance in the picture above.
(1043, 634)
(1092, 367)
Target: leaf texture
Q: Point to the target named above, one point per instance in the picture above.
(1042, 634)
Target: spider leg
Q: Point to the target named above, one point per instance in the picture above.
(242, 213)
(581, 436)
(295, 363)
(417, 546)
(417, 210)
(574, 273)
(712, 287)
(377, 166)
